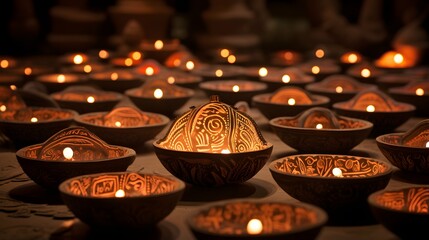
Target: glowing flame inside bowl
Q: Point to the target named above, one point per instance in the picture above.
(128, 62)
(218, 73)
(158, 93)
(315, 69)
(224, 53)
(4, 63)
(225, 151)
(319, 126)
(337, 172)
(319, 53)
(114, 76)
(120, 193)
(427, 144)
(61, 78)
(398, 58)
(3, 108)
(136, 56)
(254, 226)
(366, 73)
(68, 153)
(171, 80)
(286, 78)
(149, 71)
(420, 92)
(339, 89)
(352, 58)
(158, 44)
(87, 68)
(263, 72)
(90, 99)
(103, 54)
(118, 124)
(235, 88)
(28, 71)
(34, 119)
(291, 101)
(78, 59)
(231, 59)
(370, 108)
(190, 65)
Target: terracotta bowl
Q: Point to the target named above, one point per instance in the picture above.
(52, 84)
(122, 200)
(415, 93)
(255, 219)
(128, 132)
(307, 138)
(310, 178)
(19, 128)
(402, 211)
(46, 166)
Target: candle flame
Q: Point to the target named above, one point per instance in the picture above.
(337, 172)
(366, 73)
(420, 92)
(352, 58)
(171, 80)
(231, 59)
(87, 68)
(34, 119)
(190, 65)
(90, 99)
(4, 63)
(319, 126)
(61, 78)
(398, 58)
(128, 62)
(78, 59)
(370, 108)
(339, 89)
(149, 71)
(224, 53)
(12, 87)
(263, 72)
(288, 55)
(235, 88)
(225, 151)
(28, 71)
(286, 78)
(118, 124)
(68, 153)
(136, 55)
(254, 226)
(291, 101)
(315, 69)
(158, 44)
(319, 53)
(219, 73)
(177, 62)
(114, 76)
(120, 193)
(427, 144)
(3, 108)
(158, 93)
(103, 54)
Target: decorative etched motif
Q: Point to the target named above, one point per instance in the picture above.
(414, 200)
(214, 127)
(36, 115)
(123, 117)
(418, 136)
(285, 94)
(132, 184)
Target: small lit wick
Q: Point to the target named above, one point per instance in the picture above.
(34, 119)
(90, 99)
(136, 56)
(286, 78)
(190, 65)
(315, 69)
(225, 151)
(254, 226)
(78, 59)
(319, 53)
(177, 62)
(263, 72)
(427, 144)
(4, 63)
(120, 193)
(118, 124)
(87, 68)
(337, 172)
(103, 54)
(319, 126)
(12, 87)
(235, 88)
(288, 55)
(28, 71)
(158, 44)
(171, 80)
(420, 92)
(128, 62)
(158, 93)
(398, 58)
(61, 78)
(291, 101)
(114, 76)
(149, 71)
(224, 53)
(68, 153)
(370, 108)
(3, 108)
(352, 58)
(219, 73)
(339, 89)
(365, 73)
(231, 59)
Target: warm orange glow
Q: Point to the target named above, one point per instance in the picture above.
(171, 80)
(120, 193)
(420, 92)
(370, 108)
(3, 108)
(12, 87)
(78, 59)
(4, 63)
(337, 172)
(352, 58)
(235, 88)
(319, 53)
(177, 62)
(158, 44)
(398, 58)
(61, 78)
(87, 68)
(90, 99)
(103, 54)
(427, 144)
(68, 153)
(291, 101)
(158, 93)
(339, 89)
(288, 56)
(319, 126)
(263, 72)
(254, 226)
(28, 71)
(190, 65)
(136, 55)
(224, 53)
(231, 59)
(286, 78)
(128, 62)
(149, 71)
(315, 69)
(114, 76)
(118, 124)
(225, 151)
(218, 73)
(393, 59)
(34, 119)
(366, 73)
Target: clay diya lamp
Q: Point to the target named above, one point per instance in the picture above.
(349, 59)
(290, 76)
(218, 72)
(233, 91)
(286, 58)
(338, 87)
(393, 62)
(71, 152)
(148, 69)
(122, 200)
(213, 145)
(255, 219)
(415, 93)
(339, 184)
(132, 60)
(408, 151)
(159, 49)
(320, 68)
(84, 99)
(403, 211)
(320, 130)
(30, 125)
(183, 60)
(181, 78)
(58, 82)
(365, 72)
(74, 59)
(124, 126)
(159, 96)
(117, 80)
(256, 73)
(84, 69)
(287, 101)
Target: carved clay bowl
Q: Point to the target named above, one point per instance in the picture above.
(122, 200)
(124, 126)
(254, 219)
(33, 125)
(402, 211)
(310, 178)
(50, 163)
(301, 132)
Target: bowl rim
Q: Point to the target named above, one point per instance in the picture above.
(388, 165)
(73, 112)
(373, 203)
(319, 98)
(180, 185)
(379, 140)
(207, 86)
(322, 216)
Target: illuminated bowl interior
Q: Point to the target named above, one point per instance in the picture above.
(250, 219)
(122, 200)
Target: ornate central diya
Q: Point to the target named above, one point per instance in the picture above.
(159, 96)
(71, 152)
(124, 126)
(373, 105)
(30, 125)
(319, 130)
(124, 200)
(84, 99)
(340, 184)
(408, 151)
(290, 76)
(253, 219)
(415, 93)
(287, 101)
(338, 87)
(213, 145)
